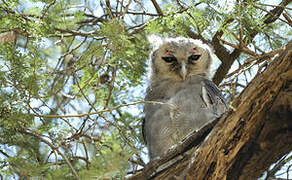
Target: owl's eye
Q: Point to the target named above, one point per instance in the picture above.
(194, 57)
(169, 59)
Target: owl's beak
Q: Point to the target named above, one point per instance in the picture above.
(183, 70)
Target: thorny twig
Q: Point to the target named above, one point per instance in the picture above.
(172, 106)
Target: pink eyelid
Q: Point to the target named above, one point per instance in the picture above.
(167, 53)
(195, 51)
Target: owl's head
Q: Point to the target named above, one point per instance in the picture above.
(179, 58)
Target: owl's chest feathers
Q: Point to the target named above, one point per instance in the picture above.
(165, 89)
(185, 96)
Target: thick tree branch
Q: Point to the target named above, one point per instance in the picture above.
(193, 139)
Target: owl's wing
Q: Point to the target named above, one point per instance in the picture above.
(213, 98)
(148, 109)
(155, 92)
(143, 130)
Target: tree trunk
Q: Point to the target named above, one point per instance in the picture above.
(256, 132)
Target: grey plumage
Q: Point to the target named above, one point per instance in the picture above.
(179, 76)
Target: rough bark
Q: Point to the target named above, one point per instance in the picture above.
(255, 133)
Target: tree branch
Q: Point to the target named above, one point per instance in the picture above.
(106, 110)
(157, 7)
(227, 58)
(54, 149)
(193, 139)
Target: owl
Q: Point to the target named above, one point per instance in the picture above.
(179, 76)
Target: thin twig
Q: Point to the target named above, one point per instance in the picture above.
(107, 110)
(244, 49)
(157, 7)
(126, 9)
(53, 148)
(46, 9)
(250, 60)
(274, 6)
(286, 16)
(272, 15)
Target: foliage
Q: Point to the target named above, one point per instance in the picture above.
(68, 70)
